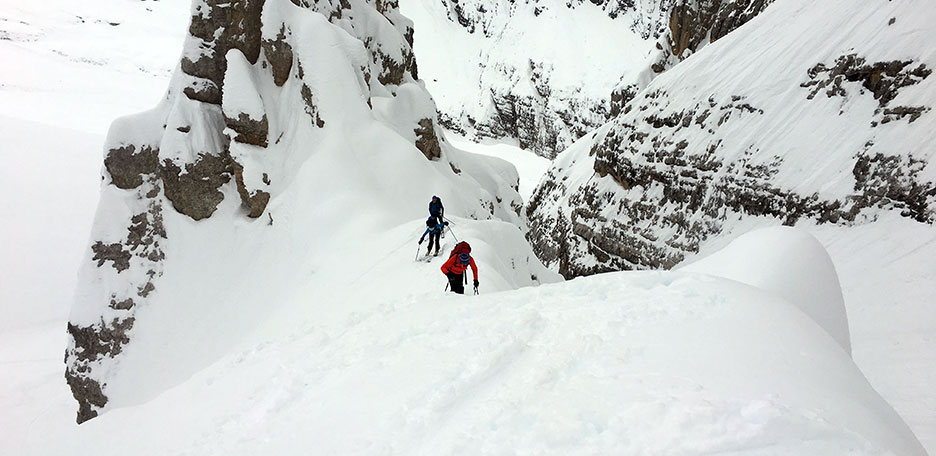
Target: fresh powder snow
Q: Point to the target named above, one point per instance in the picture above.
(313, 330)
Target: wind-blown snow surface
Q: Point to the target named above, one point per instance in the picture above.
(68, 70)
(82, 64)
(628, 363)
(888, 275)
(231, 404)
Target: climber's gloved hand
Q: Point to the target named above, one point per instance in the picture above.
(476, 283)
(421, 240)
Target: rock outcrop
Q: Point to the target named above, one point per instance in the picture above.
(224, 130)
(696, 23)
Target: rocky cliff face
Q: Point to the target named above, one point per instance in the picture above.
(695, 23)
(761, 128)
(691, 25)
(262, 86)
(538, 72)
(585, 61)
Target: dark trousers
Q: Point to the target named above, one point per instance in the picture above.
(456, 282)
(433, 237)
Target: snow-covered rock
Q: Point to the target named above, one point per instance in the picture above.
(215, 199)
(765, 123)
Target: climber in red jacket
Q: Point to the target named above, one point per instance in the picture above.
(455, 267)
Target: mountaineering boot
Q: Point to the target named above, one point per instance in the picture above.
(436, 253)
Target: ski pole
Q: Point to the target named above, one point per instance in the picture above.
(476, 290)
(448, 220)
(453, 233)
(418, 248)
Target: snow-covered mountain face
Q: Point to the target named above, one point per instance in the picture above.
(319, 331)
(218, 201)
(546, 72)
(785, 120)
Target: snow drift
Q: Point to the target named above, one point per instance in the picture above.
(653, 363)
(291, 132)
(789, 263)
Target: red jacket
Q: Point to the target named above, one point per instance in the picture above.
(452, 266)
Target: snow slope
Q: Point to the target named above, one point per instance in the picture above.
(321, 364)
(888, 278)
(544, 73)
(626, 363)
(102, 60)
(81, 66)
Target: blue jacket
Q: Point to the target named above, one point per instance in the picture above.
(435, 230)
(436, 208)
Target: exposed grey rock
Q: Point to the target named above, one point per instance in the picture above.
(126, 304)
(127, 166)
(883, 79)
(552, 119)
(249, 130)
(221, 25)
(255, 201)
(194, 192)
(893, 182)
(87, 392)
(90, 344)
(111, 252)
(280, 55)
(310, 108)
(427, 141)
(695, 23)
(105, 339)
